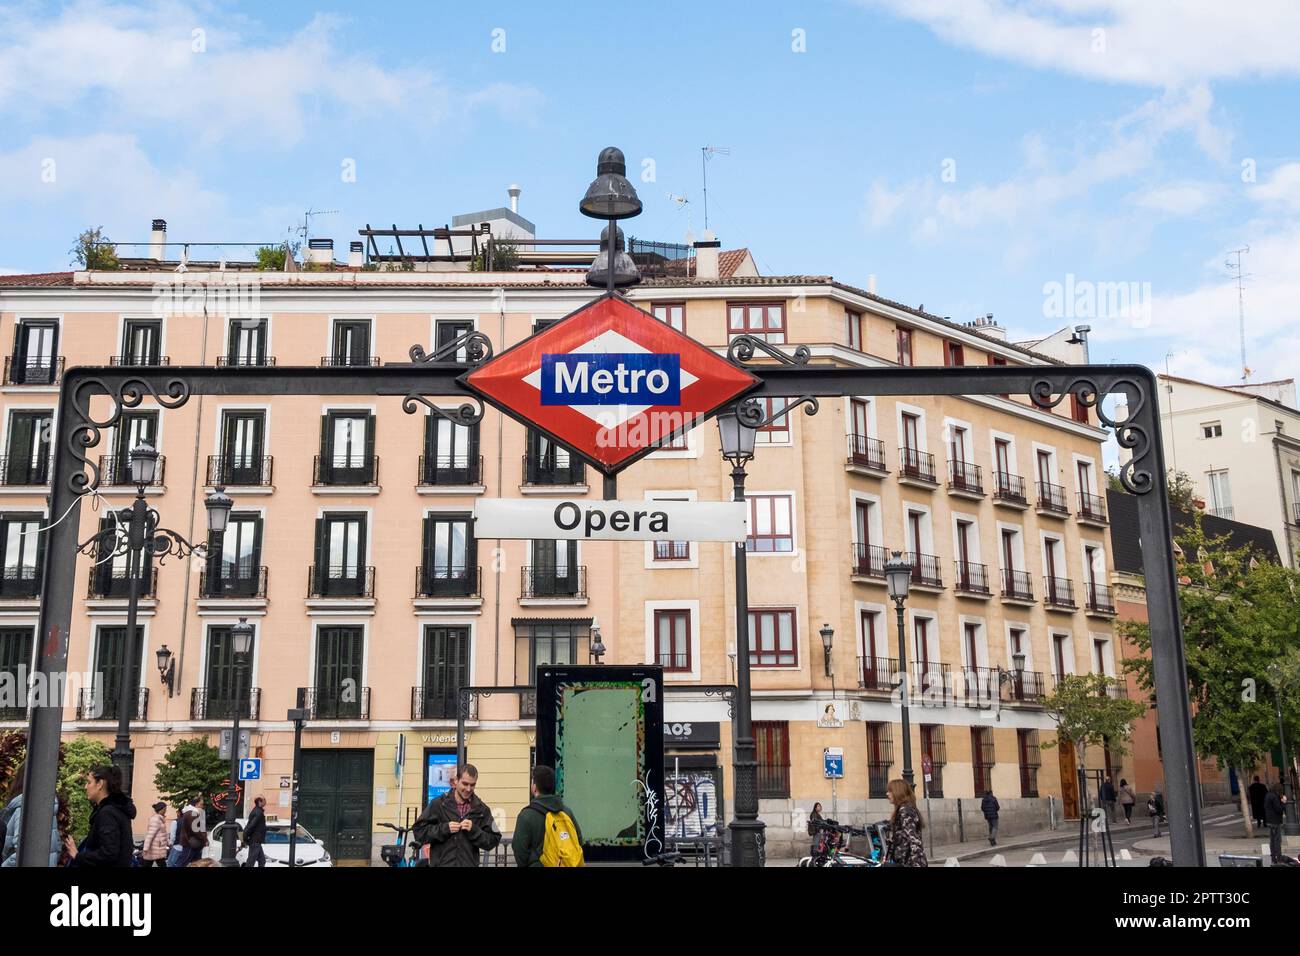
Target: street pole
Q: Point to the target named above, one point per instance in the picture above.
(902, 666)
(1290, 827)
(297, 715)
(228, 834)
(747, 830)
(135, 542)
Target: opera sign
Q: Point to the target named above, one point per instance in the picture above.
(610, 520)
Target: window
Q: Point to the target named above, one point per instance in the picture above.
(242, 449)
(451, 455)
(770, 524)
(953, 354)
(772, 639)
(226, 685)
(446, 670)
(1220, 495)
(1099, 655)
(234, 566)
(550, 464)
(982, 758)
(347, 449)
(554, 571)
(338, 693)
(28, 451)
(21, 549)
(340, 569)
(141, 342)
(447, 331)
(673, 640)
(133, 429)
(853, 329)
(998, 360)
(246, 342)
(1031, 758)
(776, 431)
(1059, 667)
(110, 661)
(36, 353)
(1002, 459)
(934, 747)
(763, 320)
(1078, 411)
(880, 757)
(448, 563)
(15, 666)
(772, 743)
(671, 313)
(351, 343)
(1212, 430)
(549, 642)
(111, 575)
(921, 647)
(903, 337)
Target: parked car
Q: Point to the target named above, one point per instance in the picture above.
(309, 850)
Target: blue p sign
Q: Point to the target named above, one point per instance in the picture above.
(250, 768)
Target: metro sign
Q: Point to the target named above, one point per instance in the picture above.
(610, 381)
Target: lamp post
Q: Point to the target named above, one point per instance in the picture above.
(143, 540)
(747, 830)
(611, 197)
(898, 579)
(828, 636)
(598, 650)
(1290, 827)
(241, 640)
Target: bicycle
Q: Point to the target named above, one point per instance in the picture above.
(669, 858)
(833, 841)
(394, 854)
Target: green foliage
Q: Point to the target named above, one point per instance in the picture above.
(1112, 479)
(1089, 714)
(191, 767)
(75, 760)
(505, 257)
(1182, 494)
(93, 250)
(13, 747)
(271, 258)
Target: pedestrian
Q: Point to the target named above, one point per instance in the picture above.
(156, 843)
(110, 841)
(1126, 800)
(546, 831)
(990, 807)
(191, 833)
(13, 814)
(1274, 816)
(905, 845)
(1106, 795)
(255, 833)
(814, 819)
(1257, 793)
(457, 825)
(1155, 810)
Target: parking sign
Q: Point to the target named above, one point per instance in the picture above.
(250, 768)
(833, 762)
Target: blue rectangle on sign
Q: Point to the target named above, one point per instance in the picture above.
(250, 768)
(611, 378)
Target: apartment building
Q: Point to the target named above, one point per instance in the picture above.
(351, 548)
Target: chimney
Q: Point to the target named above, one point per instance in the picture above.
(871, 284)
(158, 240)
(986, 326)
(514, 192)
(320, 251)
(356, 255)
(706, 255)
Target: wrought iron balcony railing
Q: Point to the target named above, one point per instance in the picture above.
(447, 581)
(538, 471)
(20, 371)
(1059, 592)
(1017, 585)
(21, 471)
(1009, 487)
(233, 581)
(451, 470)
(20, 581)
(348, 361)
(439, 702)
(333, 703)
(139, 361)
(357, 470)
(673, 662)
(1098, 598)
(963, 476)
(239, 470)
(1223, 511)
(1091, 507)
(246, 361)
(1052, 498)
(971, 578)
(878, 673)
(333, 581)
(981, 686)
(1026, 686)
(672, 550)
(917, 465)
(568, 582)
(116, 470)
(931, 683)
(104, 706)
(869, 560)
(867, 452)
(110, 580)
(925, 569)
(207, 705)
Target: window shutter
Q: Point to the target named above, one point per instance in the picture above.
(369, 464)
(322, 556)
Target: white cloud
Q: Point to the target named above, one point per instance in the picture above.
(1169, 43)
(1283, 187)
(1177, 199)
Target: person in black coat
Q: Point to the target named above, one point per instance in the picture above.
(1274, 817)
(255, 834)
(1257, 793)
(989, 805)
(110, 841)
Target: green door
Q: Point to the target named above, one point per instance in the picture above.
(335, 800)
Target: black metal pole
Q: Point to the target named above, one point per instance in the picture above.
(609, 252)
(228, 834)
(1290, 827)
(902, 667)
(747, 830)
(297, 715)
(135, 541)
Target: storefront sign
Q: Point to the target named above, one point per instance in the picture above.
(694, 734)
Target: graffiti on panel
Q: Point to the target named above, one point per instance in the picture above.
(691, 807)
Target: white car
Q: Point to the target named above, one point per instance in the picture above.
(309, 851)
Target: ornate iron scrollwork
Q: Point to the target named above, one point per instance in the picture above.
(1132, 433)
(742, 348)
(477, 346)
(466, 414)
(87, 434)
(751, 414)
(728, 694)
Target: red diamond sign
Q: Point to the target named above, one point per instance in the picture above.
(610, 381)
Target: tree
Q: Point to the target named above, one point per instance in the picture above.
(1182, 493)
(1240, 615)
(1112, 479)
(271, 258)
(93, 250)
(191, 768)
(505, 257)
(1089, 713)
(76, 758)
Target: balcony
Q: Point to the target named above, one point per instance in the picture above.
(19, 471)
(331, 703)
(446, 470)
(1026, 687)
(1117, 689)
(1051, 500)
(916, 467)
(869, 561)
(1097, 599)
(205, 705)
(240, 471)
(1222, 511)
(981, 686)
(245, 361)
(539, 471)
(449, 582)
(16, 711)
(233, 581)
(673, 662)
(20, 581)
(115, 470)
(339, 581)
(110, 581)
(1009, 489)
(971, 578)
(105, 706)
(965, 479)
(866, 454)
(1017, 587)
(348, 361)
(357, 471)
(878, 674)
(33, 371)
(439, 703)
(1092, 509)
(1059, 593)
(931, 684)
(925, 570)
(139, 361)
(548, 583)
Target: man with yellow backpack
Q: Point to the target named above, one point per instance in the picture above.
(546, 833)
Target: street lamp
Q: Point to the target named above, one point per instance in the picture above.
(828, 636)
(598, 649)
(1290, 827)
(166, 668)
(241, 641)
(898, 579)
(611, 197)
(142, 541)
(747, 830)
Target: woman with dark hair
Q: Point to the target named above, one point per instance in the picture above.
(814, 818)
(905, 845)
(13, 832)
(110, 842)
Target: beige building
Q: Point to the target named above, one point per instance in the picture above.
(351, 548)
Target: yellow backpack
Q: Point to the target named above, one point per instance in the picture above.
(560, 845)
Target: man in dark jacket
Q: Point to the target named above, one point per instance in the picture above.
(1107, 796)
(989, 805)
(255, 834)
(530, 825)
(110, 842)
(1274, 816)
(1257, 794)
(458, 826)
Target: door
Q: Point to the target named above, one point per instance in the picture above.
(339, 694)
(237, 565)
(347, 448)
(1045, 474)
(1009, 561)
(226, 683)
(110, 662)
(242, 448)
(963, 553)
(1002, 461)
(448, 555)
(450, 452)
(247, 342)
(352, 343)
(134, 429)
(141, 342)
(862, 525)
(446, 664)
(872, 664)
(28, 461)
(340, 555)
(36, 353)
(334, 802)
(21, 551)
(1049, 566)
(555, 571)
(15, 663)
(911, 444)
(1069, 780)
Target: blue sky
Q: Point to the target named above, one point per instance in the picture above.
(967, 153)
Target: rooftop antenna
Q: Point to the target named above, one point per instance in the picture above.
(706, 153)
(682, 202)
(1235, 271)
(305, 229)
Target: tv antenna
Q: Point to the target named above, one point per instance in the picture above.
(1235, 271)
(681, 202)
(707, 153)
(305, 229)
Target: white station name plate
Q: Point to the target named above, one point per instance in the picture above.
(610, 520)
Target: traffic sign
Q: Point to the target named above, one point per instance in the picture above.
(250, 768)
(610, 520)
(833, 762)
(610, 381)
